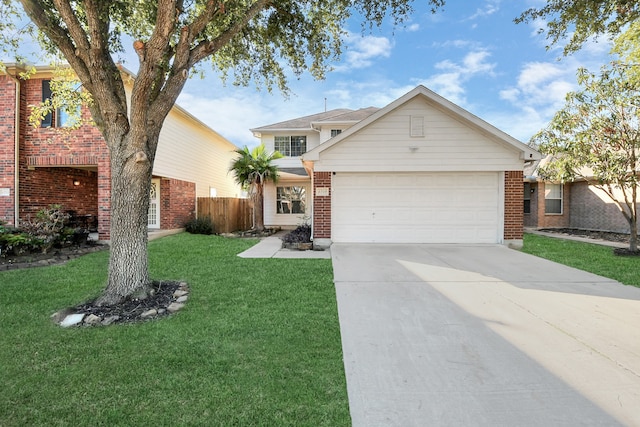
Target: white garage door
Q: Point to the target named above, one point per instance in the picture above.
(416, 207)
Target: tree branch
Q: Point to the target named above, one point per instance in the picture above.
(208, 47)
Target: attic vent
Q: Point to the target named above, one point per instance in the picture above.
(417, 126)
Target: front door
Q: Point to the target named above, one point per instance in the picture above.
(154, 204)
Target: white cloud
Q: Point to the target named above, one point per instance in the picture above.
(489, 8)
(412, 28)
(450, 82)
(362, 51)
(538, 93)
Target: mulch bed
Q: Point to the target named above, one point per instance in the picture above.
(598, 235)
(55, 256)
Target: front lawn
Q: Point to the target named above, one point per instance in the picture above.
(585, 256)
(258, 343)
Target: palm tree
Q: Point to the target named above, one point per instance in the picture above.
(252, 170)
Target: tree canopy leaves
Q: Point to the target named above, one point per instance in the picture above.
(596, 138)
(580, 20)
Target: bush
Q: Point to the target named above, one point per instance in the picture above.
(47, 227)
(302, 234)
(13, 241)
(202, 225)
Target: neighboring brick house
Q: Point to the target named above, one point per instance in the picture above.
(420, 170)
(52, 165)
(570, 205)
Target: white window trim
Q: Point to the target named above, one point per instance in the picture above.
(561, 200)
(304, 200)
(287, 153)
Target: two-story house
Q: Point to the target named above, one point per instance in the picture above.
(49, 164)
(288, 203)
(419, 170)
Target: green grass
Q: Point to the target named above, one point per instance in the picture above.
(258, 343)
(590, 257)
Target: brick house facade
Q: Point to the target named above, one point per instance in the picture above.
(71, 167)
(583, 207)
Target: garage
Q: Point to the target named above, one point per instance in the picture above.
(420, 170)
(428, 207)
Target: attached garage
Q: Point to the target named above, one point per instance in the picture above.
(420, 170)
(429, 207)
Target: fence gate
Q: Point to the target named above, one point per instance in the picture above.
(228, 214)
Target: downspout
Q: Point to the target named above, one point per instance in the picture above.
(308, 166)
(16, 173)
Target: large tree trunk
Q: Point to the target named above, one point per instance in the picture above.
(130, 185)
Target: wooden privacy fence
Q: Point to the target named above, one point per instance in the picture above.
(227, 213)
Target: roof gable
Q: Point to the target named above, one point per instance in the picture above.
(442, 104)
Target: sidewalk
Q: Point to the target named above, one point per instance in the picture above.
(271, 247)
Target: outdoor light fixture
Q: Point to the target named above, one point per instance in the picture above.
(76, 182)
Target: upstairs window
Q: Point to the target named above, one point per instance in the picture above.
(64, 116)
(47, 121)
(335, 132)
(291, 146)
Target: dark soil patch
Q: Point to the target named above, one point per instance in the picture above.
(54, 257)
(626, 252)
(590, 234)
(253, 233)
(598, 235)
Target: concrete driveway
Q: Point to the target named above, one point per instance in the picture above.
(452, 335)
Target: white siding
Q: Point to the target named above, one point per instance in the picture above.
(447, 145)
(190, 151)
(325, 131)
(271, 217)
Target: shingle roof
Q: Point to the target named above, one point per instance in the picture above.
(337, 115)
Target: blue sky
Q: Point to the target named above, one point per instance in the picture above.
(472, 53)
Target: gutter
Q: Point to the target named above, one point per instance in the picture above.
(16, 173)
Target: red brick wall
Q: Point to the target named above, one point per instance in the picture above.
(177, 203)
(7, 148)
(553, 220)
(42, 187)
(531, 219)
(513, 196)
(40, 148)
(321, 206)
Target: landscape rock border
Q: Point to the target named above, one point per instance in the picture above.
(55, 257)
(167, 297)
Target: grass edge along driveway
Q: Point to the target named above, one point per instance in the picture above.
(258, 343)
(591, 257)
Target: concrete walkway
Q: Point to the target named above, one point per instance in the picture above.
(453, 335)
(271, 247)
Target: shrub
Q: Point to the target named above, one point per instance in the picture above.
(302, 234)
(202, 225)
(47, 227)
(12, 241)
